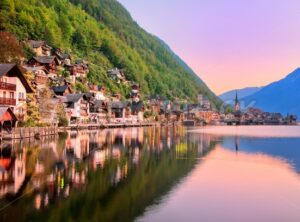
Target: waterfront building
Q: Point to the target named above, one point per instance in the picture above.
(77, 108)
(13, 89)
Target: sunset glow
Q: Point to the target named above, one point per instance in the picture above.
(230, 44)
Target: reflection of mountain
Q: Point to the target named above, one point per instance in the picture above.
(286, 148)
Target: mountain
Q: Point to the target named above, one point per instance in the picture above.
(242, 93)
(104, 33)
(282, 96)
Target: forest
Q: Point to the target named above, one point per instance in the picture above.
(104, 33)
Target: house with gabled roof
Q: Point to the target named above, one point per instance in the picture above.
(40, 48)
(13, 89)
(62, 90)
(77, 108)
(49, 62)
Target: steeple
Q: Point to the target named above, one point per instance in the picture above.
(237, 104)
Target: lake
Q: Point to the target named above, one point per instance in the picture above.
(154, 174)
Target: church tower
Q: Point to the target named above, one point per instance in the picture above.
(237, 104)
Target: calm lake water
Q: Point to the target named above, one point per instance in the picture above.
(154, 174)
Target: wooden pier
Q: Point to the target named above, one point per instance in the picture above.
(107, 125)
(39, 132)
(28, 132)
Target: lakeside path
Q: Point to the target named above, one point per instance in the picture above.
(251, 131)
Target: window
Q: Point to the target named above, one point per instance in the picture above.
(21, 95)
(11, 95)
(4, 94)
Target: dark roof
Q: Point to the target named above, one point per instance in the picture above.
(12, 70)
(119, 105)
(137, 106)
(4, 68)
(99, 104)
(59, 89)
(72, 98)
(45, 59)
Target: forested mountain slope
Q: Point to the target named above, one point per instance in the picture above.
(103, 32)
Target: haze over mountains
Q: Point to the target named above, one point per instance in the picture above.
(281, 96)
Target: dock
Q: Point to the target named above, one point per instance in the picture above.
(38, 132)
(28, 132)
(107, 125)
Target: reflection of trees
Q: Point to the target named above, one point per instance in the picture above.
(123, 174)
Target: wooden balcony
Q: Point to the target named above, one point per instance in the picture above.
(7, 86)
(7, 101)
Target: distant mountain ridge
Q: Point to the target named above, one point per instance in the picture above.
(242, 93)
(281, 96)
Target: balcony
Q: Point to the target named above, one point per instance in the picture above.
(7, 101)
(7, 86)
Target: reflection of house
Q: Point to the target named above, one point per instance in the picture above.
(12, 172)
(13, 88)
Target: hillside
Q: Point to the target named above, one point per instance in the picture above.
(242, 93)
(103, 32)
(281, 96)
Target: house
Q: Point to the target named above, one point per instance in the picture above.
(63, 58)
(40, 75)
(120, 110)
(98, 111)
(40, 48)
(13, 89)
(62, 90)
(77, 108)
(80, 69)
(137, 111)
(99, 92)
(116, 74)
(49, 62)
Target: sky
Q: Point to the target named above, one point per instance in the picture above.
(230, 44)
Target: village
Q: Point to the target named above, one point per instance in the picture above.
(45, 83)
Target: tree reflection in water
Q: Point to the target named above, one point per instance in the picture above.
(107, 175)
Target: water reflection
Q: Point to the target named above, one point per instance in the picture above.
(287, 149)
(107, 175)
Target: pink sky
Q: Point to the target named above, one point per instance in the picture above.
(229, 43)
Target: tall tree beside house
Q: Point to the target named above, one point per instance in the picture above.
(10, 49)
(33, 116)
